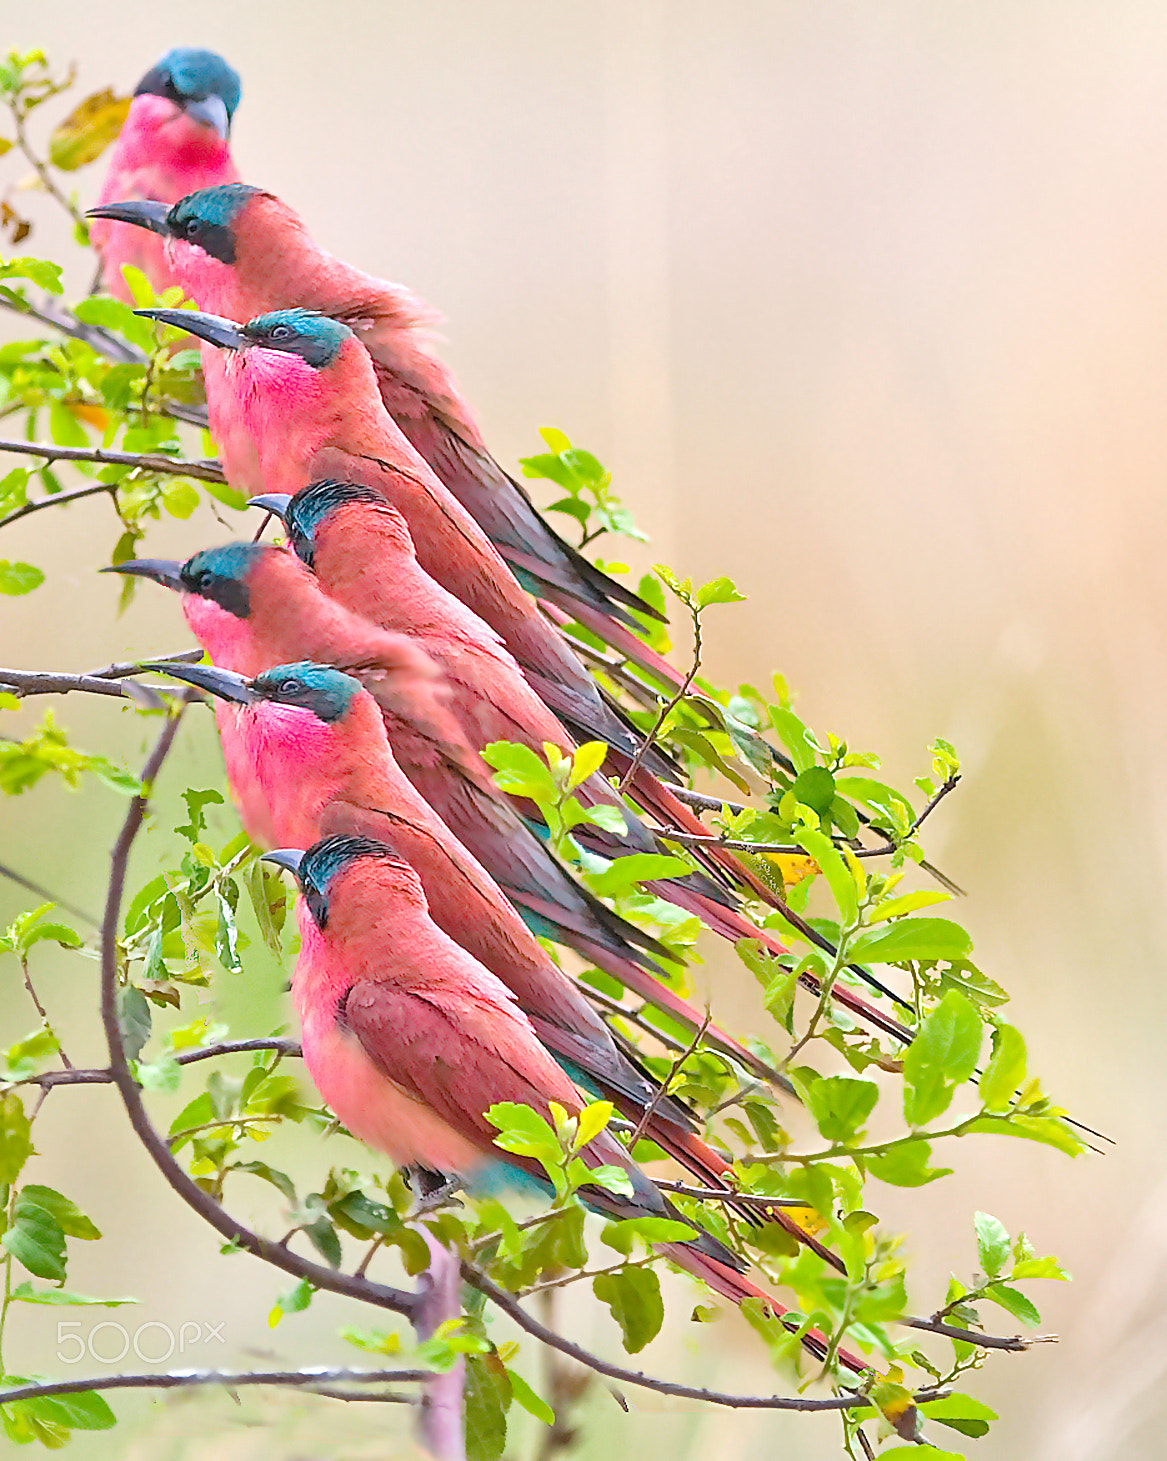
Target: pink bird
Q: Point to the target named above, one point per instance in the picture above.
(253, 606)
(306, 397)
(241, 252)
(174, 141)
(410, 1041)
(309, 757)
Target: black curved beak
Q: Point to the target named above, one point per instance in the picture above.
(226, 684)
(274, 502)
(165, 571)
(142, 212)
(213, 328)
(288, 858)
(210, 112)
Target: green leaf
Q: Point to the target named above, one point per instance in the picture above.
(15, 1140)
(134, 1020)
(526, 1397)
(943, 1054)
(518, 771)
(1048, 1130)
(719, 591)
(640, 867)
(815, 788)
(71, 1220)
(992, 1243)
(26, 1294)
(961, 1412)
(797, 738)
(35, 1239)
(486, 1397)
(592, 1120)
(1005, 1070)
(19, 578)
(84, 1410)
(908, 903)
(42, 273)
(621, 1233)
(906, 1165)
(1047, 1267)
(841, 1105)
(838, 874)
(633, 1295)
(1014, 1302)
(912, 938)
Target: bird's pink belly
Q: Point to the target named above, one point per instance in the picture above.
(375, 1110)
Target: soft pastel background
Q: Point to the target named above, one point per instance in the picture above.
(864, 306)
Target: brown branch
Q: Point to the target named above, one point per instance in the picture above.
(1016, 1343)
(191, 1193)
(104, 1077)
(203, 471)
(95, 489)
(180, 1379)
(440, 1422)
(48, 682)
(511, 1306)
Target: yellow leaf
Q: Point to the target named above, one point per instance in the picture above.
(793, 867)
(88, 130)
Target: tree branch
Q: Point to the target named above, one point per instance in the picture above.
(104, 1077)
(191, 1193)
(97, 337)
(511, 1306)
(309, 1379)
(48, 682)
(203, 471)
(1016, 1343)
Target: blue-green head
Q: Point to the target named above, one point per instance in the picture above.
(200, 82)
(321, 870)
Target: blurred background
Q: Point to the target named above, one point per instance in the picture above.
(862, 305)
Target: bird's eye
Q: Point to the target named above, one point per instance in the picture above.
(192, 227)
(289, 687)
(280, 332)
(204, 579)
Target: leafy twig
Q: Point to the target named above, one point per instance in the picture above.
(103, 1076)
(667, 708)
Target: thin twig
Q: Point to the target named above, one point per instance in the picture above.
(667, 707)
(59, 499)
(663, 1086)
(113, 346)
(191, 1193)
(137, 666)
(727, 1194)
(205, 470)
(104, 1077)
(42, 171)
(511, 1306)
(47, 893)
(182, 1379)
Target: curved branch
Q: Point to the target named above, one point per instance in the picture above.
(95, 489)
(191, 1193)
(308, 1379)
(511, 1306)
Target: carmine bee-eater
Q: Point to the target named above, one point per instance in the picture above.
(410, 1040)
(174, 141)
(305, 395)
(310, 758)
(252, 606)
(241, 252)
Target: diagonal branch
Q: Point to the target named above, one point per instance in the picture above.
(204, 470)
(104, 1077)
(191, 1193)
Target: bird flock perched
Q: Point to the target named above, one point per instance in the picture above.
(415, 617)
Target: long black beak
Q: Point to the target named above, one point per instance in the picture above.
(226, 684)
(276, 502)
(165, 571)
(143, 212)
(286, 857)
(211, 112)
(212, 328)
